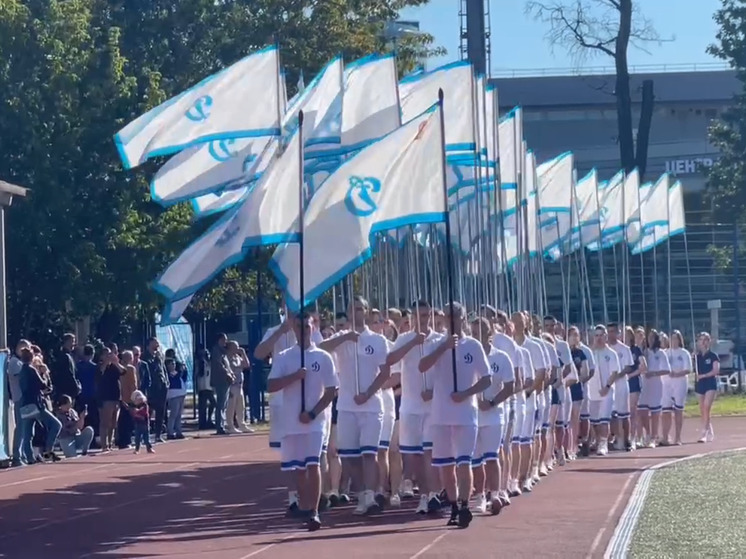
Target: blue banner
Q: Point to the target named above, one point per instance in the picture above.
(179, 337)
(4, 416)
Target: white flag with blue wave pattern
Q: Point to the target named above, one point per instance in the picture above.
(267, 215)
(394, 182)
(243, 100)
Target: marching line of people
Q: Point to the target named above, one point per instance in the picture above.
(467, 412)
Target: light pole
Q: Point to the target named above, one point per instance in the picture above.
(7, 192)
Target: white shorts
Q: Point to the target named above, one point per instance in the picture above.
(453, 444)
(299, 451)
(530, 424)
(275, 434)
(415, 433)
(489, 441)
(674, 393)
(601, 409)
(387, 430)
(585, 410)
(651, 395)
(519, 417)
(358, 433)
(621, 398)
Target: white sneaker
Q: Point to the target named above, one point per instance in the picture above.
(481, 503)
(362, 504)
(395, 500)
(527, 488)
(407, 489)
(602, 449)
(371, 505)
(246, 429)
(543, 470)
(422, 507)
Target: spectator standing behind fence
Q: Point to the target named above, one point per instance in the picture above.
(221, 379)
(74, 435)
(35, 389)
(157, 387)
(16, 395)
(128, 384)
(64, 374)
(86, 371)
(141, 416)
(236, 414)
(205, 394)
(177, 378)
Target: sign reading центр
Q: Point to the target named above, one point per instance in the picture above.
(688, 166)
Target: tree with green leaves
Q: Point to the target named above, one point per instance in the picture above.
(88, 240)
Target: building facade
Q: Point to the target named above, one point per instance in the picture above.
(578, 113)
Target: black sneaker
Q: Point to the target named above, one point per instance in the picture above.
(434, 505)
(464, 517)
(453, 520)
(628, 446)
(380, 501)
(585, 451)
(293, 510)
(344, 498)
(52, 456)
(314, 522)
(323, 503)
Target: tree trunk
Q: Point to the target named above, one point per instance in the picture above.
(643, 131)
(622, 91)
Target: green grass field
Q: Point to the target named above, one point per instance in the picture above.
(725, 404)
(695, 510)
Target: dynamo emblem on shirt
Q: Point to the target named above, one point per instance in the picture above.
(368, 350)
(607, 357)
(468, 358)
(200, 111)
(315, 367)
(495, 368)
(358, 200)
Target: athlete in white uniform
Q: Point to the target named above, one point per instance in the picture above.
(652, 385)
(276, 340)
(361, 357)
(542, 463)
(460, 371)
(675, 387)
(308, 383)
(491, 420)
(621, 427)
(415, 438)
(601, 387)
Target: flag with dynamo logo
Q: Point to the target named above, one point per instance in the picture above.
(243, 100)
(394, 182)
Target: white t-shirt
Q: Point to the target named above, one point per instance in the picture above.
(320, 375)
(549, 352)
(680, 360)
(625, 357)
(389, 402)
(505, 343)
(471, 365)
(411, 377)
(366, 356)
(607, 362)
(539, 356)
(501, 369)
(526, 364)
(286, 341)
(589, 356)
(658, 361)
(565, 355)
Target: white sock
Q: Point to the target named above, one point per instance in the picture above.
(292, 497)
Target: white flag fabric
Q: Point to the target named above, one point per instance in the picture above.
(419, 91)
(371, 105)
(394, 182)
(587, 200)
(676, 222)
(510, 135)
(652, 212)
(213, 167)
(611, 212)
(174, 310)
(243, 100)
(267, 215)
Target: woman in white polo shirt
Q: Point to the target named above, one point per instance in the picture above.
(675, 387)
(601, 387)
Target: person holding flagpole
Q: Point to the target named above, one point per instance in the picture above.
(455, 410)
(361, 357)
(307, 392)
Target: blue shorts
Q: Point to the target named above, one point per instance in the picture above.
(397, 405)
(555, 397)
(334, 411)
(634, 384)
(705, 385)
(576, 392)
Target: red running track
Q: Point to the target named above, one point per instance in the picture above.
(223, 498)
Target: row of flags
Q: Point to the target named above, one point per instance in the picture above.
(374, 159)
